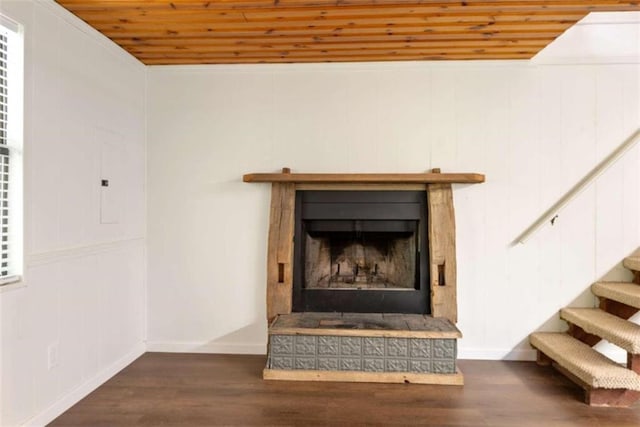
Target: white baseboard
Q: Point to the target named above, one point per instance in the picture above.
(80, 392)
(206, 347)
(522, 354)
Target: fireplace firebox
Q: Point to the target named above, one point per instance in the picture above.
(361, 252)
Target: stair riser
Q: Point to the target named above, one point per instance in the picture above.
(616, 308)
(578, 333)
(633, 362)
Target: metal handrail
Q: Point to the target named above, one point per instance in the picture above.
(550, 214)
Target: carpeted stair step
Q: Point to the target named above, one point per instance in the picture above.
(594, 321)
(624, 292)
(632, 263)
(593, 368)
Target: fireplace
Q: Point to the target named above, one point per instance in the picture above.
(361, 277)
(361, 252)
(430, 218)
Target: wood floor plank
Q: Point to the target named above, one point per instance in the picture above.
(205, 390)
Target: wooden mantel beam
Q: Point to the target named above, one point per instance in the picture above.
(367, 178)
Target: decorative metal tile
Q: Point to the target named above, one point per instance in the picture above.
(396, 365)
(420, 348)
(444, 367)
(443, 349)
(305, 345)
(328, 346)
(308, 363)
(373, 365)
(370, 354)
(282, 344)
(397, 347)
(350, 364)
(327, 364)
(350, 346)
(373, 347)
(279, 362)
(422, 366)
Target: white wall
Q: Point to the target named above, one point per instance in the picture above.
(534, 130)
(84, 282)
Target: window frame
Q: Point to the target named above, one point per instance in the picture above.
(14, 147)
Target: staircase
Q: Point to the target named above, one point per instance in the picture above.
(605, 382)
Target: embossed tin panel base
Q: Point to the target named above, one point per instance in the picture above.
(367, 347)
(362, 359)
(368, 377)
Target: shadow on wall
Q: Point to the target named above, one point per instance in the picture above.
(239, 341)
(587, 299)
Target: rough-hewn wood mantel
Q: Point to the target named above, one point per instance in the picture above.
(366, 178)
(441, 228)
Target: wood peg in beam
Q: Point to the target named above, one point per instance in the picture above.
(286, 170)
(435, 170)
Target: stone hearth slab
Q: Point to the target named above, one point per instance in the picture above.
(364, 325)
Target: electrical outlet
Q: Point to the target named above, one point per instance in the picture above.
(52, 356)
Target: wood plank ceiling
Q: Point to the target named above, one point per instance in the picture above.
(257, 31)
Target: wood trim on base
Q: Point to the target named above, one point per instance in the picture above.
(391, 333)
(364, 377)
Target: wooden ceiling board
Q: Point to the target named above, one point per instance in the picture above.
(270, 31)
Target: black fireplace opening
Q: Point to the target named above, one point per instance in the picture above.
(361, 252)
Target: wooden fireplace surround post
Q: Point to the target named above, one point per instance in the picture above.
(441, 228)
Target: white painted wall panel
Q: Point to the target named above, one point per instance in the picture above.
(535, 130)
(84, 281)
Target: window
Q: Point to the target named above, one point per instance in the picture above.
(10, 151)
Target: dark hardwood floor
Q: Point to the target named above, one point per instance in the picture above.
(203, 390)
